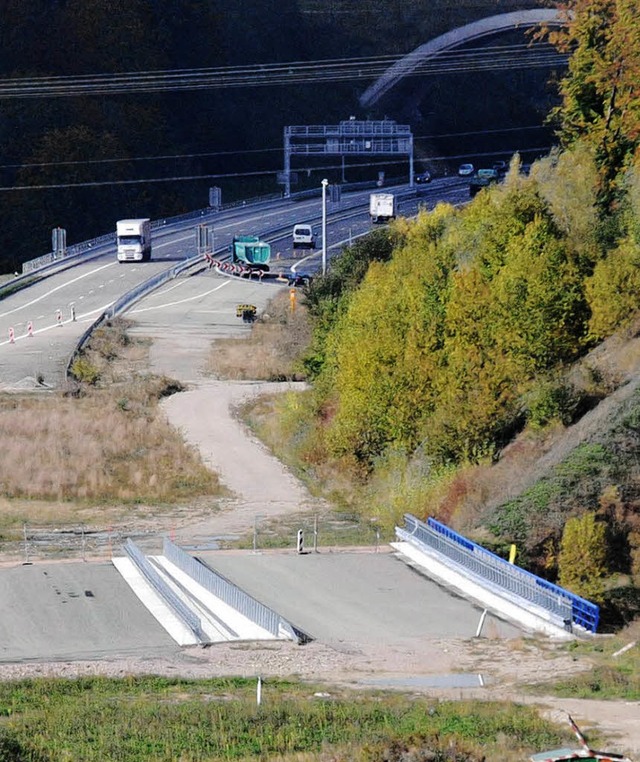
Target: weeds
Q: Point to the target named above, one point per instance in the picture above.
(108, 442)
(170, 719)
(271, 352)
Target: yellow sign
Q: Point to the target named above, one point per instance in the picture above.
(241, 309)
(512, 554)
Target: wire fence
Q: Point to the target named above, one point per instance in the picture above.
(42, 543)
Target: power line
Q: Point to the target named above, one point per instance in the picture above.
(243, 152)
(257, 173)
(532, 55)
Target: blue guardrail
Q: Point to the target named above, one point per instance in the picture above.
(583, 612)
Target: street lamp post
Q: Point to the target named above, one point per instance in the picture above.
(324, 226)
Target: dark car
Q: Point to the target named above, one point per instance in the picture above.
(423, 177)
(299, 279)
(501, 167)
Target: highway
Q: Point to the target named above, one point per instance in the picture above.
(41, 325)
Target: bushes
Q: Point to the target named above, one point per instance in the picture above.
(582, 558)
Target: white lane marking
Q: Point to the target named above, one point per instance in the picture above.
(79, 319)
(57, 288)
(335, 245)
(181, 301)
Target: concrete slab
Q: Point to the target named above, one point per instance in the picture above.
(74, 611)
(357, 597)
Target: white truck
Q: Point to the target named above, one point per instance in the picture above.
(382, 207)
(133, 240)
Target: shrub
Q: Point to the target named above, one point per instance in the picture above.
(582, 558)
(84, 371)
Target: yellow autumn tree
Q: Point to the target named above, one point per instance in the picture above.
(582, 558)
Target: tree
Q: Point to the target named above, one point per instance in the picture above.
(582, 558)
(601, 91)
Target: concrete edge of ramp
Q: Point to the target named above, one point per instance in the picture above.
(220, 621)
(154, 603)
(531, 619)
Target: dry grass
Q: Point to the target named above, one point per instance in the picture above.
(271, 352)
(106, 444)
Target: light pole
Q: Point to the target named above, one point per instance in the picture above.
(324, 226)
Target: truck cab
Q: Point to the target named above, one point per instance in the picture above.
(133, 240)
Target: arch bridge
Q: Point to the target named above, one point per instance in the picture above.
(502, 22)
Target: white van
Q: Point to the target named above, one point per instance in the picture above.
(303, 236)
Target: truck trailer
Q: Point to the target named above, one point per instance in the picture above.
(382, 207)
(249, 250)
(133, 240)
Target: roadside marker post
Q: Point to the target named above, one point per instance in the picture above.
(59, 318)
(30, 328)
(12, 336)
(300, 543)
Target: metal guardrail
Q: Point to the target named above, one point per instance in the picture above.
(232, 595)
(160, 586)
(496, 572)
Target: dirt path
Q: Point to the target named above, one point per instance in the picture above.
(260, 483)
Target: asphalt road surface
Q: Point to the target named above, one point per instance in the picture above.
(74, 611)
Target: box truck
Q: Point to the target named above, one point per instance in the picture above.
(382, 207)
(133, 240)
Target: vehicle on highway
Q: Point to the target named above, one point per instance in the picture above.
(249, 250)
(382, 207)
(482, 179)
(466, 170)
(133, 240)
(501, 167)
(299, 279)
(303, 236)
(423, 177)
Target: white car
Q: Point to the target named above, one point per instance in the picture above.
(464, 170)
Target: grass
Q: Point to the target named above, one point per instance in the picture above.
(100, 450)
(329, 529)
(153, 718)
(612, 677)
(271, 351)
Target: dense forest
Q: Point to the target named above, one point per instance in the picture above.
(81, 162)
(448, 346)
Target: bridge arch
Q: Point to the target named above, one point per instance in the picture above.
(501, 22)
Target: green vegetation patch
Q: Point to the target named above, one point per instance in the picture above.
(577, 481)
(152, 718)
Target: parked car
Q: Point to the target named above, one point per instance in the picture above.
(423, 177)
(466, 170)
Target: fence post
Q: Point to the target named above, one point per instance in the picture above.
(26, 561)
(315, 533)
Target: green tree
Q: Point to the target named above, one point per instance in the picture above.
(613, 291)
(582, 557)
